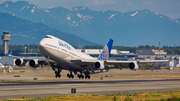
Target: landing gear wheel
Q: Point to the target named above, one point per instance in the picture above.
(80, 76)
(70, 75)
(57, 74)
(89, 77)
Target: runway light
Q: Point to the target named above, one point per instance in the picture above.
(16, 75)
(73, 90)
(35, 79)
(106, 76)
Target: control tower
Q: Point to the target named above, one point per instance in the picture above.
(5, 38)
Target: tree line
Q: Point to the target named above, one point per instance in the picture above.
(16, 49)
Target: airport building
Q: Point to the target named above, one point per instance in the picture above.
(115, 54)
(150, 52)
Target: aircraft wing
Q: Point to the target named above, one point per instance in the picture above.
(138, 61)
(89, 61)
(112, 64)
(33, 61)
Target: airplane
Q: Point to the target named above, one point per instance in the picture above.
(164, 58)
(9, 67)
(1, 66)
(61, 55)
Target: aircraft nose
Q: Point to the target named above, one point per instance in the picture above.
(41, 43)
(41, 47)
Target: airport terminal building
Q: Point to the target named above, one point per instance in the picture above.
(115, 54)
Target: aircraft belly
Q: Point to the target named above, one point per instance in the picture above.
(72, 66)
(62, 59)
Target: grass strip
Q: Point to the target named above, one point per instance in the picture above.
(143, 76)
(154, 96)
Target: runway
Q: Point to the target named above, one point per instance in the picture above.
(95, 85)
(83, 87)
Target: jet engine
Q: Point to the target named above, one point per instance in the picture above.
(34, 63)
(20, 62)
(99, 65)
(133, 65)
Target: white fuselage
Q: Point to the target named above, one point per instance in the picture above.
(61, 52)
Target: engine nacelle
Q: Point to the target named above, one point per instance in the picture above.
(19, 62)
(99, 65)
(133, 65)
(34, 63)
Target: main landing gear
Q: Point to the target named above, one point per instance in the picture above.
(87, 76)
(70, 75)
(80, 76)
(57, 74)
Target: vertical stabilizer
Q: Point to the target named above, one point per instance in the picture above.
(175, 58)
(164, 58)
(106, 51)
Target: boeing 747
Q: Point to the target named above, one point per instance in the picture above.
(61, 55)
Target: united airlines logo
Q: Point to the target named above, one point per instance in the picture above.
(105, 54)
(64, 45)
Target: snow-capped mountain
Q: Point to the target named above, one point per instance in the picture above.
(177, 20)
(133, 28)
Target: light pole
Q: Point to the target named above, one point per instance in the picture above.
(25, 50)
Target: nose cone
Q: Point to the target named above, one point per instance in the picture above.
(41, 47)
(41, 43)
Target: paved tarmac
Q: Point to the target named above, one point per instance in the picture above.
(95, 85)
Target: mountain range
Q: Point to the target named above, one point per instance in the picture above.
(141, 27)
(25, 32)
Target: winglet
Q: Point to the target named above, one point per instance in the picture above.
(106, 51)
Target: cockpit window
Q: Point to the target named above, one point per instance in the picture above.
(47, 37)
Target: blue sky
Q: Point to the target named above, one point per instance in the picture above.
(170, 8)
